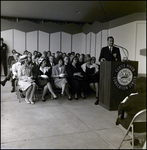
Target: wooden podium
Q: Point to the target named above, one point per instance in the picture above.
(117, 80)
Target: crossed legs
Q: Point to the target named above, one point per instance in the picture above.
(46, 88)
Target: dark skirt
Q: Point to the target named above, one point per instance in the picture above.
(41, 82)
(93, 79)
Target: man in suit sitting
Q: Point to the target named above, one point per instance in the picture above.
(110, 53)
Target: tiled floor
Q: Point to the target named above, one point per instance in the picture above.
(57, 124)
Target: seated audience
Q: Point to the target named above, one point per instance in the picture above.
(59, 76)
(77, 78)
(25, 80)
(43, 79)
(92, 72)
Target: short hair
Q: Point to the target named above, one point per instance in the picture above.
(74, 58)
(67, 57)
(110, 37)
(77, 54)
(60, 58)
(72, 53)
(141, 85)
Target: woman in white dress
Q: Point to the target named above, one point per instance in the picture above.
(25, 81)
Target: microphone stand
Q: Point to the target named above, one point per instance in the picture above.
(126, 55)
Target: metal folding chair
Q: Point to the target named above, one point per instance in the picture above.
(137, 128)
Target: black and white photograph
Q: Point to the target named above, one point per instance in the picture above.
(73, 75)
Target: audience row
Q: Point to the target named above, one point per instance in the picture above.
(72, 73)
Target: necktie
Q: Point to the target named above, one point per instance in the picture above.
(110, 49)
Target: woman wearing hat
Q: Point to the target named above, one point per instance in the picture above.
(77, 78)
(92, 71)
(43, 80)
(25, 80)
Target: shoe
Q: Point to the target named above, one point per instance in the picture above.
(54, 97)
(69, 98)
(97, 102)
(27, 101)
(31, 101)
(13, 90)
(116, 123)
(76, 98)
(83, 95)
(43, 100)
(62, 94)
(136, 142)
(3, 83)
(22, 95)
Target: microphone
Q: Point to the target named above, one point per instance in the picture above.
(126, 55)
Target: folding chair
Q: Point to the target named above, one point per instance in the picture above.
(144, 145)
(137, 128)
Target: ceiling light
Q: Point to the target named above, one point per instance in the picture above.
(77, 12)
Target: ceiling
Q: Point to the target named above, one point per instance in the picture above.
(71, 11)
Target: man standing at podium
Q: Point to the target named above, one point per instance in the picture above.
(110, 53)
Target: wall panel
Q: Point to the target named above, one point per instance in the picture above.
(93, 44)
(125, 36)
(55, 43)
(19, 41)
(32, 41)
(104, 37)
(98, 39)
(83, 43)
(141, 45)
(43, 41)
(77, 43)
(65, 42)
(88, 43)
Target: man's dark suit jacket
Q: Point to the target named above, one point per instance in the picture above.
(132, 106)
(105, 53)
